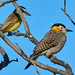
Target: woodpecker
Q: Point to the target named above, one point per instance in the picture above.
(52, 42)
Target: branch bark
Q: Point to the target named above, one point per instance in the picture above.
(62, 63)
(64, 10)
(5, 2)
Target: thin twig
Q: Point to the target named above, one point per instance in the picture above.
(18, 46)
(22, 53)
(68, 16)
(65, 5)
(64, 10)
(13, 60)
(35, 68)
(18, 33)
(31, 38)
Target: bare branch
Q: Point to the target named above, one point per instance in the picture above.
(24, 56)
(19, 46)
(18, 33)
(68, 16)
(6, 59)
(64, 10)
(35, 68)
(13, 60)
(64, 64)
(31, 38)
(64, 5)
(5, 2)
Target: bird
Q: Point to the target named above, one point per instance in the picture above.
(52, 42)
(13, 21)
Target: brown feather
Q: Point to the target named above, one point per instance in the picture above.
(29, 64)
(10, 21)
(50, 40)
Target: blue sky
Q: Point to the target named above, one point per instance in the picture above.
(44, 13)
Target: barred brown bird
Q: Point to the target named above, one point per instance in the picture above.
(52, 42)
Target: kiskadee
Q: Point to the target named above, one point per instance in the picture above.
(52, 42)
(13, 21)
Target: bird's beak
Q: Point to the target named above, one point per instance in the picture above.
(26, 13)
(69, 30)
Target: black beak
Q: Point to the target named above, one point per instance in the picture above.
(69, 30)
(27, 14)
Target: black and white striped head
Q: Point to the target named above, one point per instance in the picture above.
(23, 9)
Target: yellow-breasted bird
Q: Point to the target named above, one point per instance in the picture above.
(52, 42)
(13, 21)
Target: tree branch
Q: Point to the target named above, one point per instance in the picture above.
(5, 2)
(22, 17)
(6, 59)
(35, 67)
(64, 10)
(32, 39)
(18, 33)
(64, 5)
(62, 63)
(24, 56)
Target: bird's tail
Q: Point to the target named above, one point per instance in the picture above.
(34, 58)
(29, 64)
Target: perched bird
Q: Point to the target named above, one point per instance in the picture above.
(13, 21)
(52, 42)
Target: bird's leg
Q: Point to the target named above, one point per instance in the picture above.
(52, 57)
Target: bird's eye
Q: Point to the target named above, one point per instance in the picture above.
(61, 27)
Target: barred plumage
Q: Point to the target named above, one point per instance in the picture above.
(52, 42)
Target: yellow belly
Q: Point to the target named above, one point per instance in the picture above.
(14, 27)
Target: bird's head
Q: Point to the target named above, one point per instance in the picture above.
(60, 27)
(24, 11)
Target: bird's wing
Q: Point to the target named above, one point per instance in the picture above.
(49, 41)
(10, 21)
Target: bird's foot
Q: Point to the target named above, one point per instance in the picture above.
(9, 34)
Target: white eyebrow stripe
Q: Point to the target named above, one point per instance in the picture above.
(23, 9)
